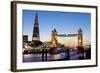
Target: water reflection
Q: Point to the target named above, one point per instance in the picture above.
(55, 56)
(72, 54)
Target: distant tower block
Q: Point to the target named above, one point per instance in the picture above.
(80, 37)
(54, 38)
(25, 38)
(36, 36)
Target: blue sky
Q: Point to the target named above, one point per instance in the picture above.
(64, 22)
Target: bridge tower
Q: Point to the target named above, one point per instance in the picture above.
(80, 37)
(54, 38)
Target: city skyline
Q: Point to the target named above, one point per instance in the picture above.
(64, 22)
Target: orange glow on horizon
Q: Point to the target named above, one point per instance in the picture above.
(71, 41)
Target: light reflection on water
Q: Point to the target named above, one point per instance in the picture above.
(38, 57)
(55, 56)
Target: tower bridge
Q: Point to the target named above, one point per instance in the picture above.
(55, 34)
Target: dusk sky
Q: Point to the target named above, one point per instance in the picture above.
(64, 22)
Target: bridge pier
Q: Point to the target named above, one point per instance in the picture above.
(67, 54)
(44, 55)
(81, 52)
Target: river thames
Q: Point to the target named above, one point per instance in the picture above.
(73, 55)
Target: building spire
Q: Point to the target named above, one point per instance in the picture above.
(36, 36)
(36, 18)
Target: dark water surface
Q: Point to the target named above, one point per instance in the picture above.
(38, 57)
